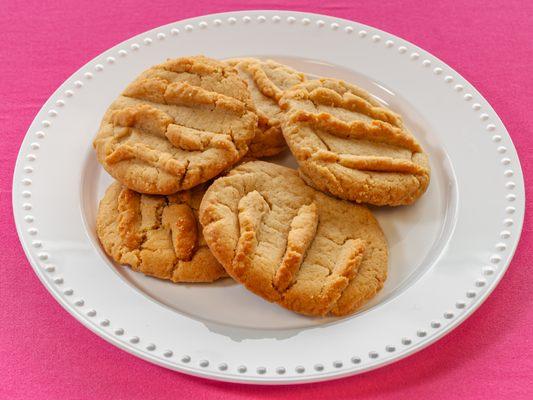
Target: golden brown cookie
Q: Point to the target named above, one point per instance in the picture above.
(267, 80)
(180, 123)
(349, 145)
(292, 244)
(157, 235)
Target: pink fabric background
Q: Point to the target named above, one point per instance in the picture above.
(46, 354)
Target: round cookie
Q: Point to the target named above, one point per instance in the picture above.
(157, 235)
(292, 244)
(267, 80)
(180, 123)
(349, 145)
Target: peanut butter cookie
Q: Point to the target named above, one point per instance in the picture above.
(349, 145)
(292, 244)
(157, 235)
(177, 125)
(267, 80)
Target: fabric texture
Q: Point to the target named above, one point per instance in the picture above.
(47, 354)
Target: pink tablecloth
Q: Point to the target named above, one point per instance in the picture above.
(46, 354)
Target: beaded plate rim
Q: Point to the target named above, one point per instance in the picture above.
(486, 282)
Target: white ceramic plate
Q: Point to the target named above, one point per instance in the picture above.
(447, 252)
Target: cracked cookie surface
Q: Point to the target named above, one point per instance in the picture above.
(157, 235)
(267, 80)
(178, 124)
(292, 244)
(349, 145)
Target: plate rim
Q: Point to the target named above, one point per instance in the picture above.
(210, 374)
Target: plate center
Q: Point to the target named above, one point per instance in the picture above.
(416, 234)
